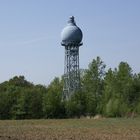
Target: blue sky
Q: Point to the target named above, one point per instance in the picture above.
(30, 35)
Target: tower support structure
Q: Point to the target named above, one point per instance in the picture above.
(71, 70)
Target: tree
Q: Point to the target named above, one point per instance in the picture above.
(134, 97)
(117, 90)
(20, 99)
(115, 93)
(93, 85)
(76, 106)
(52, 100)
(5, 106)
(109, 92)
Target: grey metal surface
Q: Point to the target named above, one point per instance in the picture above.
(71, 33)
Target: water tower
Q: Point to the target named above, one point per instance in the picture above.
(71, 39)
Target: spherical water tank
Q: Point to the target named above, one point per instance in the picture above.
(71, 34)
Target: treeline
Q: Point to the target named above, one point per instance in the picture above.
(111, 93)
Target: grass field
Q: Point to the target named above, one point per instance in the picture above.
(71, 129)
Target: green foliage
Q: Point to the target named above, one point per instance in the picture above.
(76, 106)
(5, 106)
(29, 104)
(20, 99)
(93, 85)
(137, 109)
(116, 108)
(52, 101)
(112, 93)
(118, 91)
